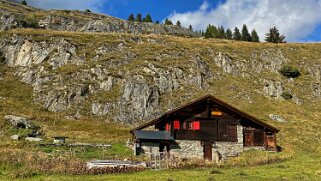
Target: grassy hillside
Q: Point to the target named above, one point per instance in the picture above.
(299, 136)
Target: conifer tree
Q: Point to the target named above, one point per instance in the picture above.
(255, 36)
(157, 22)
(274, 36)
(178, 23)
(221, 32)
(131, 17)
(212, 32)
(139, 17)
(229, 34)
(24, 2)
(245, 34)
(148, 19)
(168, 22)
(237, 34)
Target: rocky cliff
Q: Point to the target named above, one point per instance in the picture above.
(132, 78)
(13, 15)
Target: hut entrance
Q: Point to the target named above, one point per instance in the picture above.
(207, 149)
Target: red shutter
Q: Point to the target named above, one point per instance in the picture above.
(196, 125)
(168, 127)
(177, 125)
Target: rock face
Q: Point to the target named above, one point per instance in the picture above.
(132, 78)
(26, 17)
(19, 122)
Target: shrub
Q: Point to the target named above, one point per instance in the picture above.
(286, 95)
(88, 11)
(215, 172)
(289, 71)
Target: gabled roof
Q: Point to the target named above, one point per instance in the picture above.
(215, 100)
(153, 135)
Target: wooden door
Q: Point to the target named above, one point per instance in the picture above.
(270, 139)
(248, 139)
(207, 151)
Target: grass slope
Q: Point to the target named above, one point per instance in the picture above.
(299, 137)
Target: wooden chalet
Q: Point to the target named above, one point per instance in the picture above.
(205, 128)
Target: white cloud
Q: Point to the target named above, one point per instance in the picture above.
(294, 18)
(93, 5)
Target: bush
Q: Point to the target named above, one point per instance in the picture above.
(286, 95)
(215, 172)
(289, 71)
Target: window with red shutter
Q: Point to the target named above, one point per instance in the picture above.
(196, 125)
(177, 125)
(168, 127)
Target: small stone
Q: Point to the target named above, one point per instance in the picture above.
(33, 139)
(15, 137)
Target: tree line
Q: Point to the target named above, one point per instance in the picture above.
(148, 19)
(272, 36)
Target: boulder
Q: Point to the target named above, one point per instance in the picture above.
(15, 137)
(20, 122)
(33, 139)
(277, 118)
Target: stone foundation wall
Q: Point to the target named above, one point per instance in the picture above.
(194, 149)
(220, 151)
(188, 149)
(223, 150)
(146, 148)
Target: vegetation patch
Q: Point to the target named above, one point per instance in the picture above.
(286, 95)
(289, 71)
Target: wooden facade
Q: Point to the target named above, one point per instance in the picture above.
(210, 120)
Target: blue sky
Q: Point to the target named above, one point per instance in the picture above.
(158, 9)
(299, 20)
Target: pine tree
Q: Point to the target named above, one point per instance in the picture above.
(229, 34)
(139, 17)
(131, 17)
(168, 22)
(245, 34)
(157, 22)
(274, 36)
(221, 32)
(178, 23)
(148, 19)
(24, 2)
(237, 34)
(190, 27)
(255, 36)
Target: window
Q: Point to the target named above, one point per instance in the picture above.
(195, 125)
(228, 132)
(177, 125)
(168, 127)
(258, 137)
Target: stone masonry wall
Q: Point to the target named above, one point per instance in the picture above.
(194, 149)
(188, 149)
(229, 149)
(220, 151)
